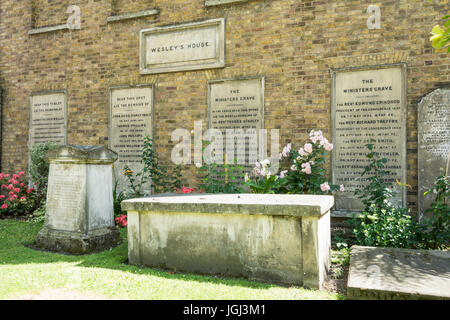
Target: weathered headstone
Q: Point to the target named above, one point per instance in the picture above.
(368, 103)
(191, 46)
(79, 214)
(433, 122)
(48, 117)
(398, 274)
(131, 119)
(238, 104)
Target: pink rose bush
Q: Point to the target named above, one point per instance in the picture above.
(301, 172)
(15, 196)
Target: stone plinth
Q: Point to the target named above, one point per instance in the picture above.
(80, 215)
(271, 238)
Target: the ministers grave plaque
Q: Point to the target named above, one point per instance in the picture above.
(131, 119)
(368, 104)
(191, 46)
(238, 104)
(434, 142)
(48, 117)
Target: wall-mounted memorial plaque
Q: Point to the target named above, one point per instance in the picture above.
(368, 104)
(131, 119)
(433, 122)
(238, 104)
(48, 118)
(191, 46)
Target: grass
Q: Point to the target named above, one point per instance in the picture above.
(24, 271)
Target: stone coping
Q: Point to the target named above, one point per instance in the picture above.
(49, 29)
(264, 204)
(132, 15)
(211, 3)
(82, 155)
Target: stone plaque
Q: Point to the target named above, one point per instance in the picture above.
(131, 119)
(192, 46)
(238, 104)
(368, 104)
(433, 122)
(66, 197)
(48, 117)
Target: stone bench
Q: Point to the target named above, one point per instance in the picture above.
(271, 238)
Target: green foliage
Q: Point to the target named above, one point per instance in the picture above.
(381, 223)
(388, 226)
(436, 227)
(441, 36)
(38, 214)
(221, 178)
(303, 173)
(39, 168)
(264, 181)
(160, 177)
(118, 197)
(377, 192)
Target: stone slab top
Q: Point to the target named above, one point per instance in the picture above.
(263, 204)
(390, 273)
(81, 154)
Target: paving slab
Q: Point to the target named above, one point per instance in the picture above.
(398, 274)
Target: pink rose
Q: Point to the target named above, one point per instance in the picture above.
(302, 152)
(306, 168)
(328, 146)
(342, 189)
(283, 174)
(4, 206)
(324, 187)
(308, 148)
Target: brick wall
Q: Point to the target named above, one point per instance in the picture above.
(293, 44)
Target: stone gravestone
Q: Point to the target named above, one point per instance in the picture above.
(368, 103)
(238, 104)
(434, 142)
(80, 215)
(131, 119)
(48, 117)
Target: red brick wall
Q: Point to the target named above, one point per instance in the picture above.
(293, 44)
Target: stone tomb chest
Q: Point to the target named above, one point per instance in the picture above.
(271, 238)
(79, 215)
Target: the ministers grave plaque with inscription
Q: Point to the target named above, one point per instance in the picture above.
(368, 104)
(238, 104)
(48, 117)
(131, 119)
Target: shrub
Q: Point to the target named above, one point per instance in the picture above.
(381, 223)
(39, 168)
(160, 177)
(221, 178)
(436, 227)
(15, 197)
(304, 172)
